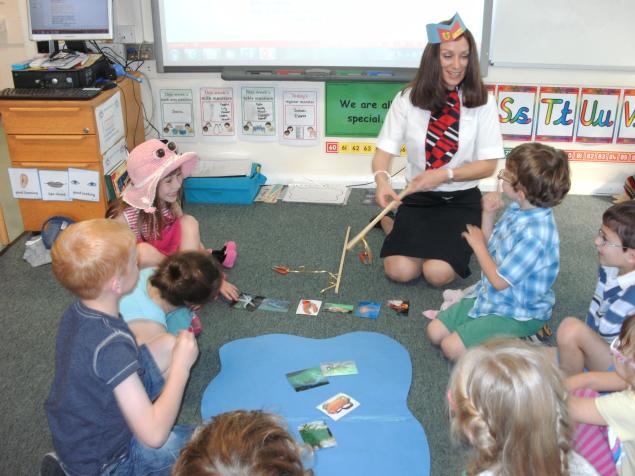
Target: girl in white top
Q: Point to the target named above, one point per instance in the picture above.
(444, 163)
(507, 401)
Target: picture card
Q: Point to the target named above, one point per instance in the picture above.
(335, 369)
(309, 307)
(338, 308)
(399, 306)
(338, 406)
(317, 435)
(306, 379)
(248, 302)
(274, 305)
(367, 309)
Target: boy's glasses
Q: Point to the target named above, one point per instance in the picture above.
(621, 358)
(505, 176)
(604, 242)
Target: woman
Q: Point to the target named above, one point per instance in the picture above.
(452, 133)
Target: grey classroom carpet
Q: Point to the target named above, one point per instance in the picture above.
(268, 235)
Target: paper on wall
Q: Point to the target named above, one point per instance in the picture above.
(110, 124)
(25, 183)
(83, 184)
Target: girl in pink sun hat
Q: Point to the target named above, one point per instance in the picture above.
(151, 206)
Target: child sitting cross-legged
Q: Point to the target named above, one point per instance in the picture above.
(519, 255)
(151, 206)
(162, 301)
(110, 410)
(595, 412)
(508, 402)
(585, 345)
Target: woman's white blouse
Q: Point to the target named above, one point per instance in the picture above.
(479, 136)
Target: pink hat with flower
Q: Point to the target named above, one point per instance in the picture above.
(148, 163)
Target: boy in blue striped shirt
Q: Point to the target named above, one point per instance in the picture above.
(519, 255)
(586, 344)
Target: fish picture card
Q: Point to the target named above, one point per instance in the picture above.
(335, 369)
(367, 309)
(626, 128)
(309, 307)
(306, 379)
(556, 114)
(598, 113)
(338, 406)
(399, 306)
(274, 305)
(516, 109)
(338, 308)
(317, 435)
(247, 301)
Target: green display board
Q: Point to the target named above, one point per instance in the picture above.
(357, 109)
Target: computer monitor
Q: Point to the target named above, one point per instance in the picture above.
(70, 20)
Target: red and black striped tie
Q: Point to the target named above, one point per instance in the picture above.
(442, 138)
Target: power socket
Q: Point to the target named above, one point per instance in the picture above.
(125, 34)
(139, 52)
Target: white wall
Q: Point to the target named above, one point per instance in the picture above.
(284, 164)
(14, 47)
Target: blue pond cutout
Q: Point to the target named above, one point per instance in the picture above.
(380, 437)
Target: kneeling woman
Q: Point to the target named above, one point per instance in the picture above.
(452, 133)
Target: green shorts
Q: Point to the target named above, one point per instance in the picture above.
(476, 330)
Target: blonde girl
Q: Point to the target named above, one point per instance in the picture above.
(150, 206)
(507, 401)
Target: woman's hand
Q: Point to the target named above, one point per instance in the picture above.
(474, 237)
(229, 291)
(385, 194)
(492, 201)
(428, 180)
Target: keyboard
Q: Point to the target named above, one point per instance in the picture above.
(47, 93)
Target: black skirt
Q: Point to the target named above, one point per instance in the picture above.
(428, 225)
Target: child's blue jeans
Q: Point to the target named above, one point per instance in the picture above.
(141, 460)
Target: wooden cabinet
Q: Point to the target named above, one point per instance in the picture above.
(56, 135)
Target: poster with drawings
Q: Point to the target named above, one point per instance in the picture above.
(217, 113)
(258, 113)
(299, 117)
(177, 113)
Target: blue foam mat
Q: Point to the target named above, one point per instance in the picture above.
(380, 437)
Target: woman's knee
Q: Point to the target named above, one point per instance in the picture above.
(401, 270)
(438, 273)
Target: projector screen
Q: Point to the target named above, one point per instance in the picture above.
(209, 35)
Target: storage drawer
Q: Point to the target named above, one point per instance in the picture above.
(53, 148)
(36, 117)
